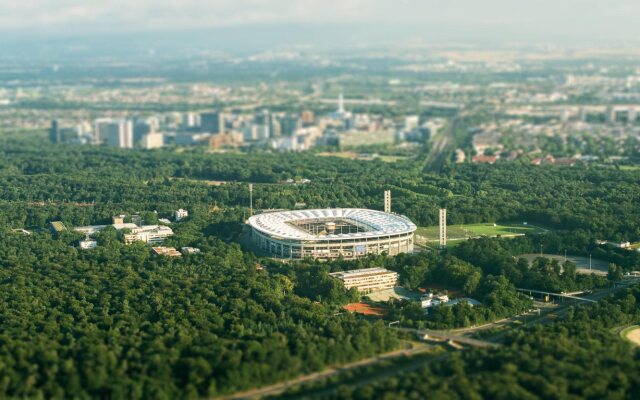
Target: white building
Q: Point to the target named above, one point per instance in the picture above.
(181, 214)
(411, 122)
(152, 141)
(256, 132)
(151, 234)
(88, 244)
(190, 250)
(115, 133)
(92, 229)
(368, 280)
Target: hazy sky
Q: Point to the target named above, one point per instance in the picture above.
(511, 19)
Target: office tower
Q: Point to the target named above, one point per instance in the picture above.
(289, 125)
(141, 129)
(190, 120)
(118, 133)
(212, 122)
(263, 118)
(100, 127)
(54, 132)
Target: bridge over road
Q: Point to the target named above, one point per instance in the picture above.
(563, 295)
(443, 335)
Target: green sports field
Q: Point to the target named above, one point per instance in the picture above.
(457, 232)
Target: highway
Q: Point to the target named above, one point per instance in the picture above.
(449, 336)
(281, 387)
(454, 337)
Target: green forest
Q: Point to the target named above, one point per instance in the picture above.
(580, 357)
(121, 322)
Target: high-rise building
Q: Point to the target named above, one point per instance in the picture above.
(54, 132)
(119, 133)
(100, 127)
(190, 120)
(212, 122)
(290, 124)
(140, 129)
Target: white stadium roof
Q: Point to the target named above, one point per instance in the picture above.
(278, 224)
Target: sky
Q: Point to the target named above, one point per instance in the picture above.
(455, 20)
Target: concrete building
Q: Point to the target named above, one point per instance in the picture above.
(190, 250)
(225, 139)
(92, 229)
(368, 280)
(118, 133)
(190, 120)
(54, 132)
(181, 214)
(88, 244)
(212, 122)
(152, 141)
(152, 234)
(256, 133)
(141, 128)
(166, 251)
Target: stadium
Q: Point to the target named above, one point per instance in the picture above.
(331, 233)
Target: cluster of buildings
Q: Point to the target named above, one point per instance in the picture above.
(284, 131)
(552, 141)
(136, 230)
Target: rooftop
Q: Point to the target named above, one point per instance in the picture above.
(304, 224)
(360, 273)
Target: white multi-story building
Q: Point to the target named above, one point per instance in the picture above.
(368, 280)
(116, 133)
(152, 141)
(151, 234)
(181, 214)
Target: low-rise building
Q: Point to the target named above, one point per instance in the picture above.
(151, 234)
(181, 214)
(88, 244)
(166, 251)
(368, 280)
(190, 250)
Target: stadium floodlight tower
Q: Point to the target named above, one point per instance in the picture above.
(250, 199)
(387, 201)
(443, 228)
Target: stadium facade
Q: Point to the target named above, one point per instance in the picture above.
(331, 233)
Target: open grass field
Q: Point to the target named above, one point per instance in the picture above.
(632, 334)
(458, 232)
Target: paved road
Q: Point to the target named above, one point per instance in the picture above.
(281, 387)
(445, 335)
(459, 336)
